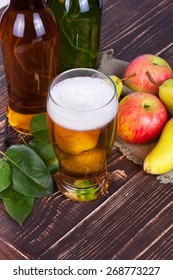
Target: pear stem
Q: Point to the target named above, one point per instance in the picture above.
(151, 79)
(128, 77)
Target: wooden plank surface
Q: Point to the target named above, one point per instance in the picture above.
(125, 221)
(52, 218)
(135, 220)
(136, 27)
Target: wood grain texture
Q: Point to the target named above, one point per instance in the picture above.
(54, 217)
(9, 252)
(135, 219)
(136, 27)
(123, 227)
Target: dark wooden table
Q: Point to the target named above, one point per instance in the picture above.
(135, 220)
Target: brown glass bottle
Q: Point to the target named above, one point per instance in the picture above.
(29, 39)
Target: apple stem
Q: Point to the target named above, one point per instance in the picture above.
(151, 79)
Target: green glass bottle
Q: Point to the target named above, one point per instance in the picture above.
(79, 32)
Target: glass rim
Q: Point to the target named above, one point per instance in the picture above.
(80, 70)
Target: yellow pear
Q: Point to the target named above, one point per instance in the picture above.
(75, 142)
(166, 95)
(118, 83)
(160, 158)
(165, 92)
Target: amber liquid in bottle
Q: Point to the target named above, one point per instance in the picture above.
(29, 36)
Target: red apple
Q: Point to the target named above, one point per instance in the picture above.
(159, 69)
(141, 117)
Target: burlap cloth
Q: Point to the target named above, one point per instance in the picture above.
(136, 153)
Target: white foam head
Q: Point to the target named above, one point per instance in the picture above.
(82, 103)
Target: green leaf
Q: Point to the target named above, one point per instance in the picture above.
(17, 205)
(30, 176)
(5, 175)
(39, 129)
(46, 152)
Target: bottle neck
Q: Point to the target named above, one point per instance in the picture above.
(27, 4)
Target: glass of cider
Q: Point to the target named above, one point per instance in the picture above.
(82, 106)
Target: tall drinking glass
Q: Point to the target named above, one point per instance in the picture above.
(81, 108)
